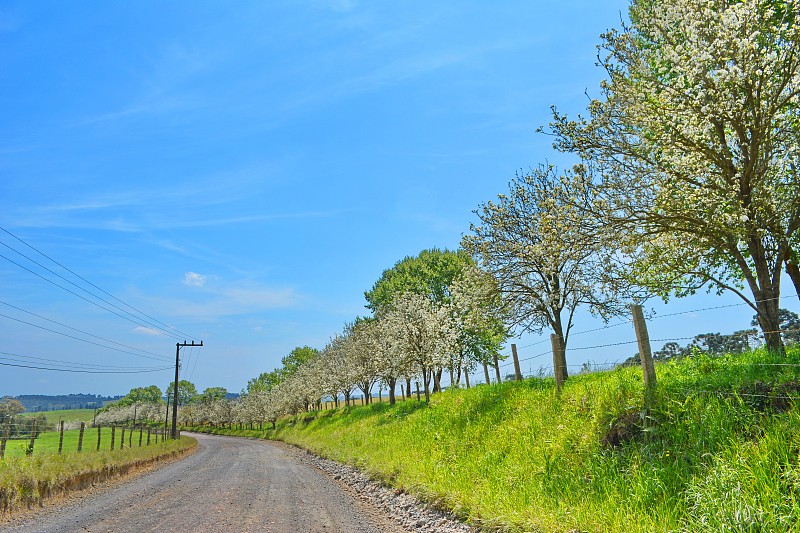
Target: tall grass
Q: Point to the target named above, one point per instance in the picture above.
(718, 450)
(28, 480)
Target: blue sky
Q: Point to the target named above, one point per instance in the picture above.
(245, 171)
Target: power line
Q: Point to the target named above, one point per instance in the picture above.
(170, 334)
(153, 319)
(81, 331)
(161, 358)
(86, 371)
(59, 362)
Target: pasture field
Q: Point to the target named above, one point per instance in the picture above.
(717, 450)
(67, 415)
(47, 442)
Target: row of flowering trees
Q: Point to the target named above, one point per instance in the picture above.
(433, 313)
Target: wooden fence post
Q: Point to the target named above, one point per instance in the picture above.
(555, 343)
(497, 368)
(113, 436)
(122, 439)
(140, 435)
(99, 432)
(148, 436)
(130, 438)
(60, 436)
(6, 431)
(645, 355)
(80, 436)
(517, 371)
(33, 438)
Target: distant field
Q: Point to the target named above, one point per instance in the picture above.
(67, 415)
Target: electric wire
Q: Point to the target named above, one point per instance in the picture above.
(160, 358)
(149, 317)
(61, 362)
(83, 332)
(86, 371)
(170, 334)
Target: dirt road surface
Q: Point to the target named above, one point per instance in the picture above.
(228, 485)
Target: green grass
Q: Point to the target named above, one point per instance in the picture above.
(47, 442)
(719, 449)
(67, 415)
(27, 480)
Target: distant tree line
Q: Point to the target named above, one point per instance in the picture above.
(42, 402)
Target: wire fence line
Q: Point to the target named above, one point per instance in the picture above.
(25, 439)
(652, 317)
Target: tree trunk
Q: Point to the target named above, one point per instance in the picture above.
(408, 388)
(766, 289)
(486, 373)
(768, 319)
(452, 376)
(391, 390)
(466, 377)
(497, 368)
(426, 373)
(437, 380)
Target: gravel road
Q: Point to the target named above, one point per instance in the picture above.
(239, 485)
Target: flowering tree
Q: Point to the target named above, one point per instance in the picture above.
(422, 330)
(391, 361)
(431, 273)
(339, 367)
(362, 345)
(544, 254)
(481, 315)
(696, 135)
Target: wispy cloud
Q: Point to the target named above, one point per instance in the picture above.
(141, 330)
(213, 301)
(193, 279)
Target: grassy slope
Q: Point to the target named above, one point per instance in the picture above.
(719, 450)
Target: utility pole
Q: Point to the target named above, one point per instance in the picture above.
(178, 347)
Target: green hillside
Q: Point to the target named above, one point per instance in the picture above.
(718, 451)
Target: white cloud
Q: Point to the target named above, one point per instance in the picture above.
(146, 331)
(194, 279)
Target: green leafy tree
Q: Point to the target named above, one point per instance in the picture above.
(212, 394)
(9, 408)
(429, 274)
(151, 394)
(187, 391)
(290, 364)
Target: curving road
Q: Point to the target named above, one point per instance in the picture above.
(228, 485)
